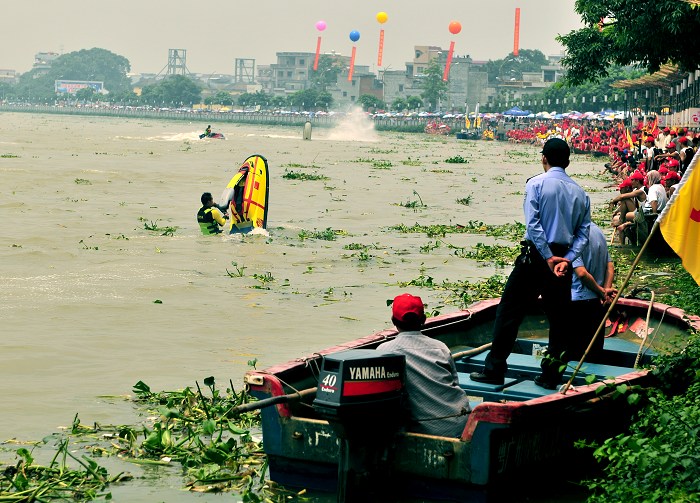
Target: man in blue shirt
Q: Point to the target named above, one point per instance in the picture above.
(591, 290)
(558, 218)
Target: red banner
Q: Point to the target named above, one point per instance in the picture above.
(318, 51)
(352, 64)
(516, 38)
(381, 47)
(448, 63)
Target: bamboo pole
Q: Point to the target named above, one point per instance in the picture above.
(566, 387)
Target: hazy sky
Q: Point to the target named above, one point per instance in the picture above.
(215, 33)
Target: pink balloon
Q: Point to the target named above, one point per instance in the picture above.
(321, 25)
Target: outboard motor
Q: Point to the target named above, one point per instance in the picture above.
(360, 393)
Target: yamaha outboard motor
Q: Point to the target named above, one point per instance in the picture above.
(360, 393)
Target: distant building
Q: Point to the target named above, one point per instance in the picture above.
(8, 76)
(345, 93)
(42, 62)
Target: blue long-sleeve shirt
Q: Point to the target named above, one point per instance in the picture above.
(557, 210)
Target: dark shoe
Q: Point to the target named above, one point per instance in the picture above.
(486, 378)
(545, 383)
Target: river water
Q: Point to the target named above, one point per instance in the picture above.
(92, 301)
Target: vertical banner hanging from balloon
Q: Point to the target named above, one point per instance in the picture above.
(381, 17)
(320, 26)
(354, 36)
(455, 27)
(516, 35)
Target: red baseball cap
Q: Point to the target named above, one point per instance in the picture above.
(673, 163)
(625, 183)
(649, 139)
(671, 145)
(666, 130)
(673, 132)
(637, 176)
(672, 175)
(405, 304)
(663, 170)
(682, 139)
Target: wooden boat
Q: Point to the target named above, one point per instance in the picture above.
(514, 431)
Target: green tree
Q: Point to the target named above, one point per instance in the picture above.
(311, 99)
(414, 102)
(368, 101)
(278, 101)
(327, 72)
(220, 98)
(512, 67)
(399, 104)
(260, 98)
(646, 34)
(434, 88)
(173, 89)
(85, 94)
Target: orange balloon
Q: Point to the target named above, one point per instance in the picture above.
(382, 17)
(455, 27)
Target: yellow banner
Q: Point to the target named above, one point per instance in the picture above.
(680, 221)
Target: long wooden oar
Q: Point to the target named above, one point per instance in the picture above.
(274, 400)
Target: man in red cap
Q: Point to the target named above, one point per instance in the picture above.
(436, 403)
(670, 153)
(669, 182)
(638, 196)
(624, 206)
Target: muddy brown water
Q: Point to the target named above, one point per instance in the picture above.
(81, 275)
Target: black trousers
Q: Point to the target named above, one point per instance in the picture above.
(530, 278)
(587, 315)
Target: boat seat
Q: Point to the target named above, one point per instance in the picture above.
(466, 383)
(516, 362)
(599, 370)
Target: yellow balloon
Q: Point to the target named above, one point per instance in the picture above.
(382, 17)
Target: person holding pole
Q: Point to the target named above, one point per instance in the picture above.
(558, 217)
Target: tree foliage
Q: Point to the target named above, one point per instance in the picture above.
(327, 72)
(220, 98)
(414, 102)
(368, 101)
(434, 88)
(173, 89)
(512, 67)
(311, 99)
(645, 34)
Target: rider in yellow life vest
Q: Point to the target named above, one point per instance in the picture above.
(209, 216)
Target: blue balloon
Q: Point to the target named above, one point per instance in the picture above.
(354, 35)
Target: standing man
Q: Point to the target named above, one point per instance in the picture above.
(209, 217)
(436, 403)
(591, 290)
(558, 217)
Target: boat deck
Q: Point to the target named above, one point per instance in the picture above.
(523, 367)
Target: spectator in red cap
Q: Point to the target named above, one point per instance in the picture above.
(664, 138)
(436, 404)
(669, 182)
(649, 152)
(624, 206)
(670, 153)
(656, 198)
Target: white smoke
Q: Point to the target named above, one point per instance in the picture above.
(354, 126)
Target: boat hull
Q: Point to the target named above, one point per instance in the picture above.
(513, 432)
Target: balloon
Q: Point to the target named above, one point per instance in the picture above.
(354, 35)
(321, 25)
(455, 27)
(382, 17)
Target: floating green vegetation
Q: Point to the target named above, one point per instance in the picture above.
(296, 175)
(457, 159)
(151, 225)
(207, 433)
(382, 164)
(462, 293)
(415, 204)
(238, 270)
(514, 231)
(9, 156)
(82, 181)
(519, 153)
(499, 179)
(263, 280)
(325, 235)
(466, 201)
(28, 481)
(302, 166)
(382, 151)
(411, 162)
(594, 175)
(494, 254)
(85, 246)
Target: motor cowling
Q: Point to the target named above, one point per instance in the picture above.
(361, 391)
